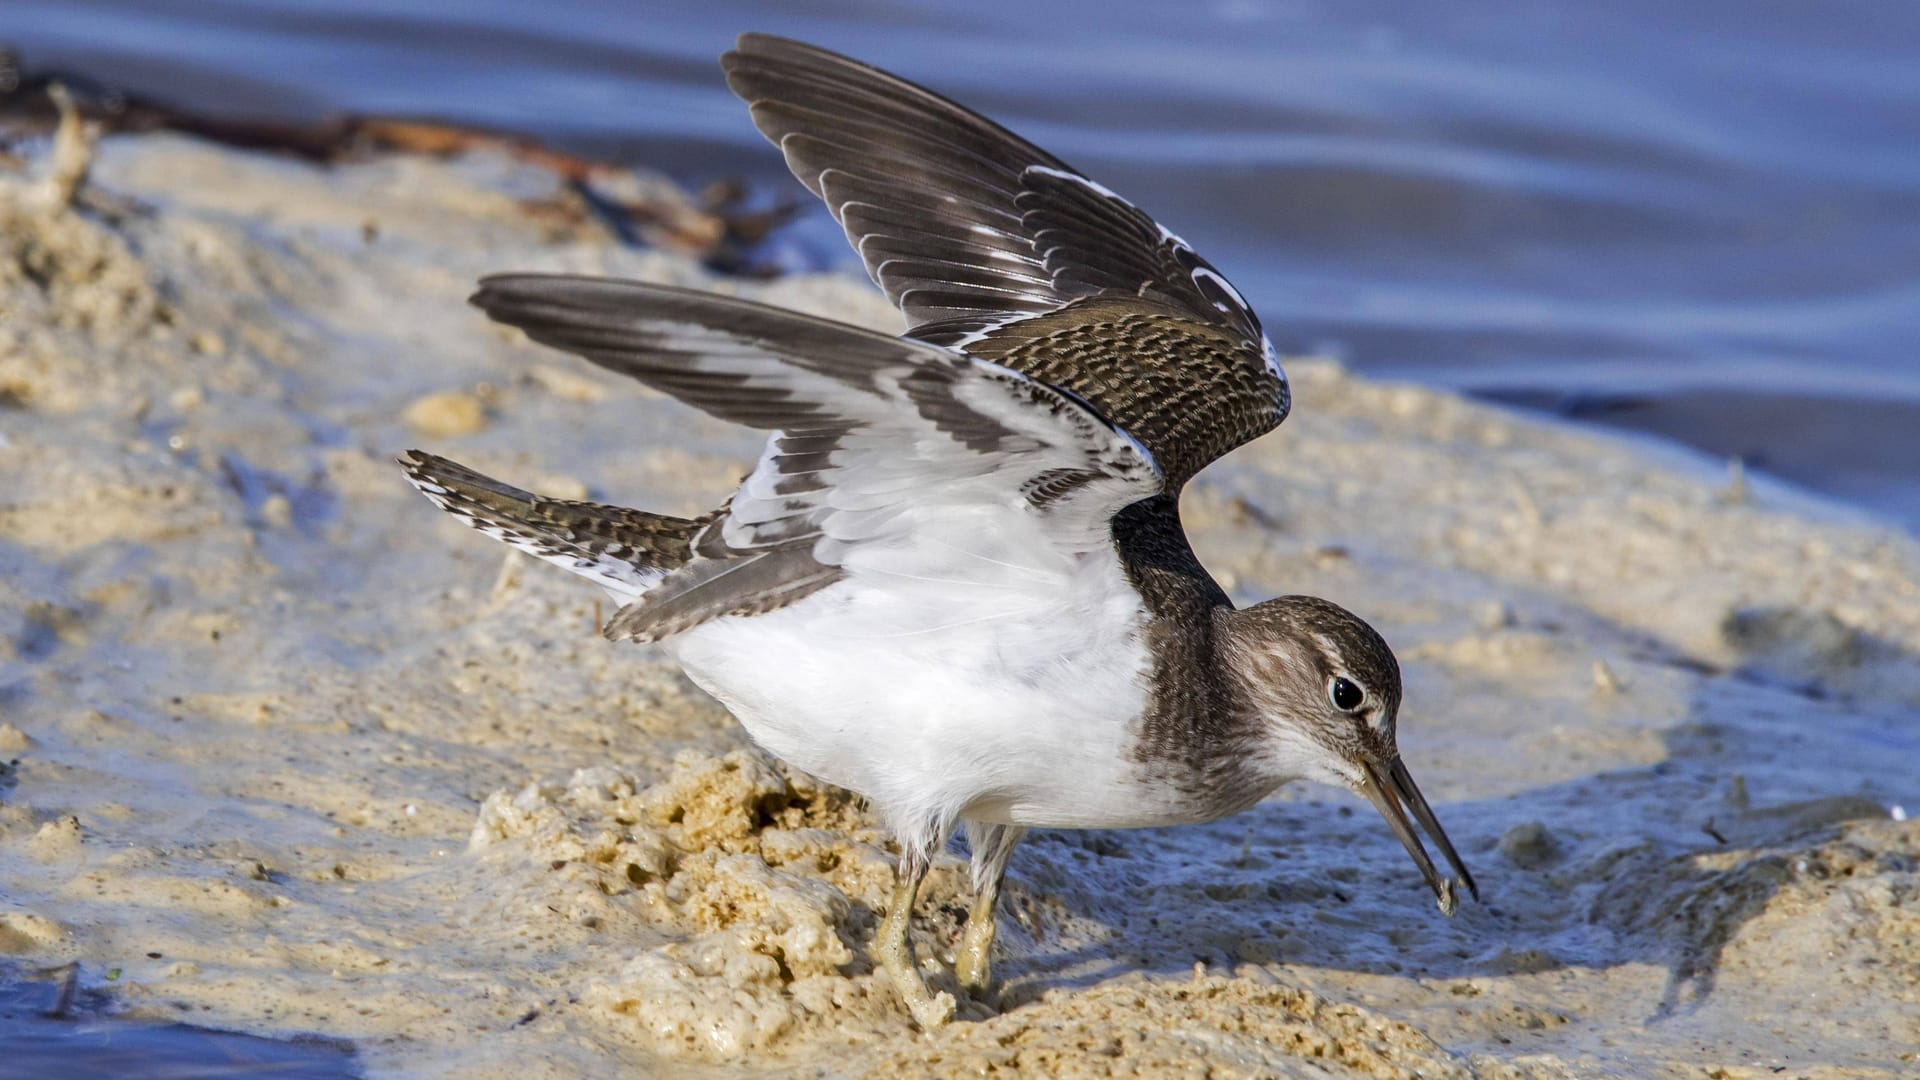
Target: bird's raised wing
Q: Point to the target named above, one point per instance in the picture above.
(870, 435)
(990, 244)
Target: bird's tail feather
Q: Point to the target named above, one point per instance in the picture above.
(624, 551)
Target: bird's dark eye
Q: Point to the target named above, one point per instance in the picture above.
(1345, 694)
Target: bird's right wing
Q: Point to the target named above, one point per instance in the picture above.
(871, 434)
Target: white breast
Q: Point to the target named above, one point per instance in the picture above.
(967, 670)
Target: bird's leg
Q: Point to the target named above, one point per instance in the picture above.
(895, 950)
(991, 845)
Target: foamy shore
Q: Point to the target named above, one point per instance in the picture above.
(297, 753)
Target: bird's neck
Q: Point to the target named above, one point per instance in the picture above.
(1194, 724)
(1153, 547)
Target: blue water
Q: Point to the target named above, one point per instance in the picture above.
(1699, 219)
(50, 1031)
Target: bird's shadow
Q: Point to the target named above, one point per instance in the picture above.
(1656, 864)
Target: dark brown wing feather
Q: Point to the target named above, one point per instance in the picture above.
(624, 550)
(1189, 391)
(971, 230)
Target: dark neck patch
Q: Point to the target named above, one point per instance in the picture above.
(1193, 731)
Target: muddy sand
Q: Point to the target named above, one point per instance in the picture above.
(288, 750)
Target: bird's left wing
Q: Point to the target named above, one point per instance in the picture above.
(990, 244)
(868, 431)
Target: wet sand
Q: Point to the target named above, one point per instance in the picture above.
(297, 753)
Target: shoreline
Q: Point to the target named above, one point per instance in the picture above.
(350, 773)
(1813, 420)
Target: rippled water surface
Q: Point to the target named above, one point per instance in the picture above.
(1697, 219)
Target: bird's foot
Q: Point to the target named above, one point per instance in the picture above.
(929, 1009)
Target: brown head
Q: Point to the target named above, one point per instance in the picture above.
(1325, 690)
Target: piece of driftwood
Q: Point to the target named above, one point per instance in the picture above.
(717, 225)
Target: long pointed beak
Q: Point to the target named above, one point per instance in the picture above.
(1392, 791)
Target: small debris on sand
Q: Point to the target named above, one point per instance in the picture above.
(448, 415)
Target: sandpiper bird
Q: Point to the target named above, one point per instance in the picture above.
(956, 581)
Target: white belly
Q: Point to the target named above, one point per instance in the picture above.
(970, 677)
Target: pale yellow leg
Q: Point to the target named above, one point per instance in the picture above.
(973, 961)
(894, 949)
(992, 845)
